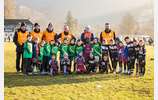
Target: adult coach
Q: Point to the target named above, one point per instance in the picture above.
(87, 34)
(107, 34)
(66, 34)
(19, 39)
(36, 33)
(49, 34)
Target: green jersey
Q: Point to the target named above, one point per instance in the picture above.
(47, 48)
(40, 57)
(63, 50)
(27, 50)
(96, 49)
(79, 49)
(72, 50)
(54, 50)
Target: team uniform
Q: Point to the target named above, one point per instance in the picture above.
(113, 51)
(63, 51)
(40, 57)
(65, 63)
(103, 65)
(46, 57)
(53, 67)
(91, 65)
(96, 51)
(36, 52)
(131, 57)
(54, 50)
(27, 56)
(87, 50)
(141, 60)
(121, 57)
(80, 62)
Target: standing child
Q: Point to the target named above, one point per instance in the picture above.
(53, 65)
(104, 64)
(71, 50)
(136, 48)
(54, 48)
(130, 53)
(35, 55)
(91, 64)
(96, 50)
(121, 56)
(105, 52)
(113, 50)
(46, 58)
(80, 62)
(64, 51)
(27, 55)
(141, 57)
(65, 63)
(87, 50)
(78, 49)
(40, 57)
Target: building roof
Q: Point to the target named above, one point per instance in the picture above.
(16, 21)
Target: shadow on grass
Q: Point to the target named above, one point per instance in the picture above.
(12, 79)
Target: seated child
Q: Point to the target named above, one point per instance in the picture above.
(80, 62)
(91, 64)
(104, 64)
(27, 55)
(65, 63)
(53, 65)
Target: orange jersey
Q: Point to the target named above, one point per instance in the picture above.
(22, 37)
(36, 35)
(108, 36)
(48, 36)
(63, 36)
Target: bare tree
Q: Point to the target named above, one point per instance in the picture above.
(72, 22)
(128, 25)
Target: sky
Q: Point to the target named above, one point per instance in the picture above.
(81, 9)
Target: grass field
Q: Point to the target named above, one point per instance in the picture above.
(77, 87)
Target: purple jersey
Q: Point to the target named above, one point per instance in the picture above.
(87, 50)
(80, 61)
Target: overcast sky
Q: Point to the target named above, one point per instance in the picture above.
(81, 9)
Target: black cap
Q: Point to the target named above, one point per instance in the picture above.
(23, 24)
(36, 24)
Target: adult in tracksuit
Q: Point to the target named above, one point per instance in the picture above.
(19, 39)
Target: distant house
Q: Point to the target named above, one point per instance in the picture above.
(10, 26)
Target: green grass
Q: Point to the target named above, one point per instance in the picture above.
(77, 87)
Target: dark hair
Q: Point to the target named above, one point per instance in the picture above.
(29, 35)
(126, 38)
